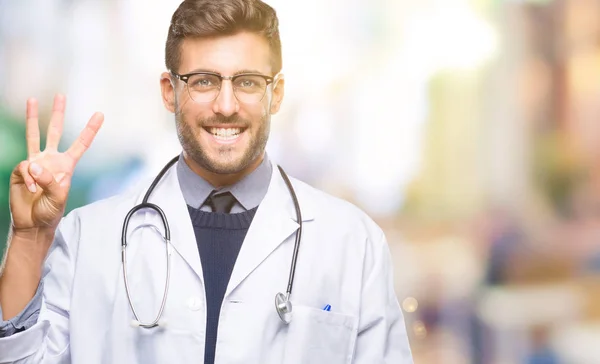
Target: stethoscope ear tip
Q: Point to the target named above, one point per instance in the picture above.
(134, 323)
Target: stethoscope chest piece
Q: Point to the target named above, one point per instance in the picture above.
(283, 307)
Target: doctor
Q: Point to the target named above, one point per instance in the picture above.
(236, 264)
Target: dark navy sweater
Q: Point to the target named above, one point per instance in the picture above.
(219, 237)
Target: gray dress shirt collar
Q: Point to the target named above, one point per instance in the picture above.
(248, 192)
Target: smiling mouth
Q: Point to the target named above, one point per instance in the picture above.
(225, 133)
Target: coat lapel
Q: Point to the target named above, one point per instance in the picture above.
(168, 196)
(273, 223)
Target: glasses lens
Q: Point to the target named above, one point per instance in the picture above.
(249, 89)
(204, 87)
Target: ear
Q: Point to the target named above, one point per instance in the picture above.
(278, 92)
(168, 91)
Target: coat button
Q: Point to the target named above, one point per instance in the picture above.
(194, 303)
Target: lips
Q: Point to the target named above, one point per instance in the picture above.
(225, 134)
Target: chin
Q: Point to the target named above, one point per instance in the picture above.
(226, 164)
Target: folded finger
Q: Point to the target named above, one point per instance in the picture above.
(32, 129)
(22, 171)
(65, 180)
(45, 179)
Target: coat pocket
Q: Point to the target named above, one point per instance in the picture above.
(316, 336)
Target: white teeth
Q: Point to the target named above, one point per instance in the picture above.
(225, 133)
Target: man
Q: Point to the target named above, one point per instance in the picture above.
(203, 288)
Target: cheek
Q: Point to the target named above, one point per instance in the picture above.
(193, 112)
(253, 113)
(264, 108)
(181, 94)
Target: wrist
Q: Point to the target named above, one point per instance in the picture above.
(30, 246)
(33, 236)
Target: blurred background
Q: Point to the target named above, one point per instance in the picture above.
(469, 130)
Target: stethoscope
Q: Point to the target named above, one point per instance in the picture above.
(283, 305)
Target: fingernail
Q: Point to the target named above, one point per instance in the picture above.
(36, 170)
(32, 188)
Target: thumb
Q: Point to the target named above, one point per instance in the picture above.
(45, 179)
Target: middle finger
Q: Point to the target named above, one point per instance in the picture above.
(55, 128)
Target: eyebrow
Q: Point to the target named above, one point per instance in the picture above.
(248, 71)
(203, 70)
(219, 73)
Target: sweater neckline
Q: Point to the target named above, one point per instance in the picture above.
(221, 220)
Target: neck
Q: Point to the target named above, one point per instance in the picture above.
(219, 180)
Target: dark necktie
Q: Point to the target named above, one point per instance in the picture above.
(221, 202)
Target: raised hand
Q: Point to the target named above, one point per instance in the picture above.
(39, 186)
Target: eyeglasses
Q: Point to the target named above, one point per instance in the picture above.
(205, 87)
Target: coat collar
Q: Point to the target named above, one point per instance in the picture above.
(274, 222)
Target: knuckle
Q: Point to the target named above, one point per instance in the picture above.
(84, 142)
(22, 167)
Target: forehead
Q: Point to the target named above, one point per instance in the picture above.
(226, 54)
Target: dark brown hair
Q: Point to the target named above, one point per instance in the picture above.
(209, 18)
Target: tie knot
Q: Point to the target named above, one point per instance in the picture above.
(221, 202)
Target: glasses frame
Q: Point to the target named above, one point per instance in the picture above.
(185, 78)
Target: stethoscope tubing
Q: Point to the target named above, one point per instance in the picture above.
(298, 232)
(283, 314)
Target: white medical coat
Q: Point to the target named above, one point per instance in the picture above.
(343, 261)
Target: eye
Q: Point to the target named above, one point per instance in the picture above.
(245, 82)
(249, 82)
(202, 81)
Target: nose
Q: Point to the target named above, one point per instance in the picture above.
(226, 103)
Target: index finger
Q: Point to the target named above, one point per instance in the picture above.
(86, 136)
(32, 129)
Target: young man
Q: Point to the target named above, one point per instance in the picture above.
(199, 275)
